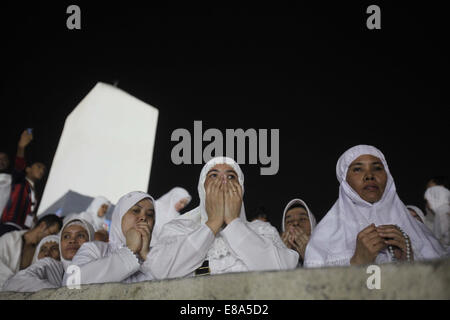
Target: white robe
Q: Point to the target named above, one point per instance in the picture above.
(312, 218)
(91, 213)
(438, 198)
(333, 241)
(187, 241)
(102, 262)
(10, 254)
(45, 273)
(5, 190)
(165, 208)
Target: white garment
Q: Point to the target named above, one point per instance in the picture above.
(91, 213)
(47, 272)
(418, 211)
(5, 190)
(165, 208)
(333, 241)
(186, 242)
(102, 262)
(438, 198)
(10, 254)
(44, 273)
(50, 238)
(312, 219)
(429, 219)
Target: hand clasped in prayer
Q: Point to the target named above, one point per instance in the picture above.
(223, 196)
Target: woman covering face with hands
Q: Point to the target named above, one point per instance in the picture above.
(125, 257)
(368, 223)
(215, 237)
(297, 225)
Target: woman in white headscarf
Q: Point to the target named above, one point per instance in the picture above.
(297, 225)
(95, 213)
(216, 237)
(368, 223)
(438, 200)
(125, 257)
(169, 206)
(47, 247)
(416, 213)
(48, 273)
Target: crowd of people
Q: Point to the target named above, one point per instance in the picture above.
(149, 239)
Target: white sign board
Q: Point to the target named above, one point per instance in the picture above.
(106, 147)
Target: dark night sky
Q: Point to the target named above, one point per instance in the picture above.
(314, 72)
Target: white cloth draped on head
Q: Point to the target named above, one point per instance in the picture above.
(438, 198)
(86, 225)
(185, 243)
(418, 211)
(50, 238)
(165, 207)
(116, 236)
(199, 214)
(91, 213)
(333, 242)
(312, 219)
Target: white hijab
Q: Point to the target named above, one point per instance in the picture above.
(165, 207)
(91, 213)
(438, 198)
(50, 238)
(312, 219)
(86, 225)
(333, 242)
(116, 236)
(199, 215)
(418, 211)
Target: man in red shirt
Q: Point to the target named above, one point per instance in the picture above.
(19, 212)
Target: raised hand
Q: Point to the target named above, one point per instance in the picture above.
(368, 244)
(299, 240)
(393, 237)
(233, 200)
(144, 229)
(25, 139)
(214, 204)
(134, 240)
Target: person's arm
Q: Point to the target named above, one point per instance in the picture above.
(44, 274)
(259, 246)
(96, 267)
(24, 141)
(179, 255)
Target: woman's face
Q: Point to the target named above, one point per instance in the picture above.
(367, 176)
(297, 217)
(102, 210)
(415, 215)
(219, 171)
(181, 204)
(141, 211)
(49, 249)
(72, 238)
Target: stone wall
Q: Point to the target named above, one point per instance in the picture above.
(426, 280)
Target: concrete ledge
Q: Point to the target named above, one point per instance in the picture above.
(425, 280)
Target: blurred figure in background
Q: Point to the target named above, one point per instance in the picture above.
(416, 213)
(261, 214)
(438, 202)
(297, 225)
(19, 212)
(5, 180)
(434, 181)
(17, 248)
(168, 207)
